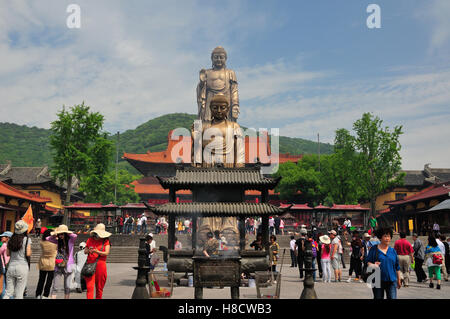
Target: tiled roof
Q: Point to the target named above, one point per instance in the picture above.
(7, 190)
(218, 176)
(420, 177)
(141, 188)
(150, 185)
(252, 150)
(297, 206)
(216, 209)
(321, 207)
(348, 207)
(133, 206)
(257, 193)
(26, 175)
(32, 176)
(445, 205)
(85, 206)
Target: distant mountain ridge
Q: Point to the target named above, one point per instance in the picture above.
(29, 146)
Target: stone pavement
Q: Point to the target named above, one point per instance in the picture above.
(121, 282)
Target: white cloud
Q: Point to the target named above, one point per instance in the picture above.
(132, 62)
(418, 102)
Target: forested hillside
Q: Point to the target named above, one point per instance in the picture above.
(29, 146)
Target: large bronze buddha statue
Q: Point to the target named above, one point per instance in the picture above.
(217, 80)
(218, 142)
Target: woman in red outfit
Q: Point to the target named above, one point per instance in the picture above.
(97, 247)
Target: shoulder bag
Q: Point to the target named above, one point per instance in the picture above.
(88, 270)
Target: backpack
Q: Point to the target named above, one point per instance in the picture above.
(130, 220)
(60, 260)
(437, 259)
(314, 249)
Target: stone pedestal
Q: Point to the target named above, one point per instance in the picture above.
(308, 284)
(141, 291)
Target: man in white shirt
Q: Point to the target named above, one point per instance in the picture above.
(150, 249)
(271, 225)
(335, 257)
(144, 224)
(139, 225)
(292, 250)
(186, 226)
(347, 223)
(442, 248)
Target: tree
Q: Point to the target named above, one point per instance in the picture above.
(339, 171)
(304, 177)
(95, 181)
(378, 157)
(76, 142)
(104, 193)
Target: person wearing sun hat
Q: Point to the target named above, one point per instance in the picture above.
(19, 250)
(325, 257)
(97, 248)
(46, 266)
(64, 262)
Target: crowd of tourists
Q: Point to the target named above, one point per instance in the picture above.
(141, 224)
(374, 251)
(62, 267)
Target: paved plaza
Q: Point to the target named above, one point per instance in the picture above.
(122, 278)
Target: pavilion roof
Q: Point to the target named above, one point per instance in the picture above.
(188, 176)
(216, 209)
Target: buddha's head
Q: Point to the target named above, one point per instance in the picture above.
(219, 107)
(219, 57)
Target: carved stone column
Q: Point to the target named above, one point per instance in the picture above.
(141, 291)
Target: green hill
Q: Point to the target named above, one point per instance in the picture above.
(23, 145)
(29, 146)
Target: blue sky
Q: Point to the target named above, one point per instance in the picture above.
(305, 67)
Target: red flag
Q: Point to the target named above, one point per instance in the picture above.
(28, 218)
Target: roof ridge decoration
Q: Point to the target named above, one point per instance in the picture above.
(43, 172)
(7, 168)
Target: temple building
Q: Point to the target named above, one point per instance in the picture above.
(418, 212)
(37, 181)
(414, 182)
(14, 203)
